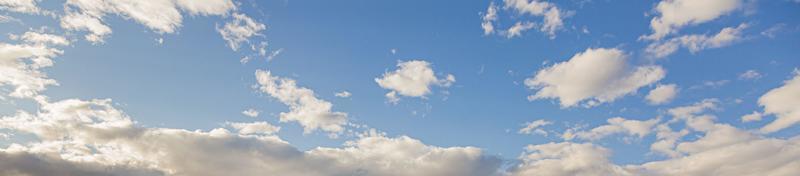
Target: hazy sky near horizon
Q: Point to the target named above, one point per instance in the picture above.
(501, 87)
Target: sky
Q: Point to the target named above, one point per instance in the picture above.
(489, 87)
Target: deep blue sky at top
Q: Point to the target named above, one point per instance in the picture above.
(194, 81)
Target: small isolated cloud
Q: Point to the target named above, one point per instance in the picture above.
(599, 75)
(535, 127)
(662, 94)
(305, 108)
(615, 125)
(343, 94)
(750, 75)
(251, 112)
(518, 28)
(261, 128)
(696, 43)
(784, 103)
(552, 17)
(675, 14)
(240, 30)
(412, 79)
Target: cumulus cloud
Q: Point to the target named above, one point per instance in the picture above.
(160, 16)
(489, 17)
(240, 30)
(251, 112)
(93, 138)
(696, 43)
(535, 127)
(254, 128)
(672, 15)
(784, 103)
(615, 125)
(21, 66)
(600, 75)
(21, 6)
(549, 11)
(566, 158)
(413, 79)
(305, 108)
(37, 38)
(343, 94)
(662, 94)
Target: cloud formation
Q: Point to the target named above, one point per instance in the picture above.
(696, 42)
(599, 75)
(784, 103)
(413, 79)
(672, 15)
(662, 94)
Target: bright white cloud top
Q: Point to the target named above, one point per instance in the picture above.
(187, 107)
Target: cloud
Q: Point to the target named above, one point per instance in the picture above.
(413, 79)
(676, 14)
(94, 138)
(534, 127)
(566, 158)
(750, 75)
(305, 108)
(37, 38)
(784, 103)
(552, 15)
(615, 125)
(251, 112)
(160, 16)
(488, 18)
(21, 6)
(696, 43)
(21, 67)
(254, 128)
(240, 30)
(600, 75)
(343, 94)
(518, 28)
(662, 94)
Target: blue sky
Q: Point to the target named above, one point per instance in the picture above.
(191, 78)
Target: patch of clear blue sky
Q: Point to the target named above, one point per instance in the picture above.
(194, 81)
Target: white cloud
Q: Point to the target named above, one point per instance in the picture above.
(92, 138)
(752, 117)
(696, 43)
(160, 16)
(412, 78)
(488, 19)
(601, 75)
(662, 94)
(21, 6)
(750, 75)
(784, 103)
(20, 66)
(534, 127)
(518, 28)
(343, 94)
(615, 125)
(552, 15)
(254, 128)
(41, 38)
(251, 112)
(305, 108)
(566, 158)
(676, 14)
(240, 30)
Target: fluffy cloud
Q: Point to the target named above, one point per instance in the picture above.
(412, 78)
(21, 6)
(162, 16)
(534, 127)
(675, 14)
(662, 94)
(37, 38)
(784, 103)
(601, 75)
(251, 112)
(696, 43)
(254, 128)
(240, 30)
(518, 28)
(20, 66)
(615, 125)
(566, 158)
(489, 17)
(551, 13)
(308, 110)
(92, 138)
